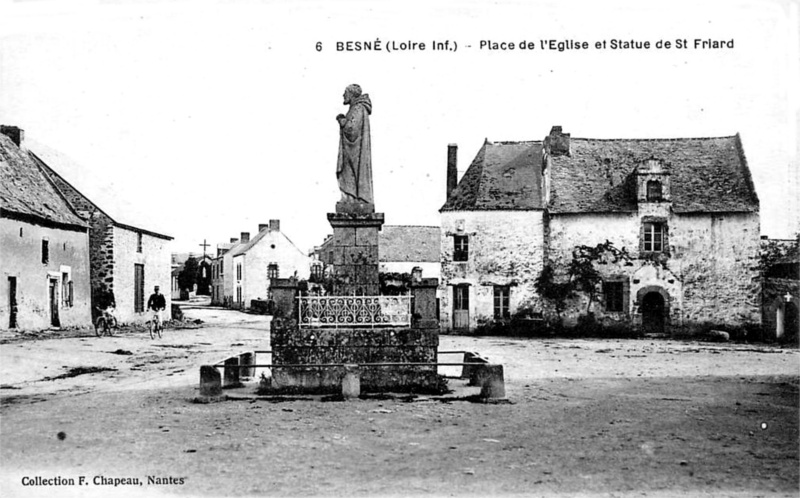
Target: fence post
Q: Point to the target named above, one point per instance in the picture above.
(210, 381)
(247, 359)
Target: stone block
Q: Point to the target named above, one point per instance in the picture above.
(344, 236)
(468, 371)
(231, 369)
(247, 359)
(367, 236)
(338, 255)
(351, 382)
(210, 381)
(493, 385)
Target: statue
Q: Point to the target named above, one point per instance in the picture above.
(354, 167)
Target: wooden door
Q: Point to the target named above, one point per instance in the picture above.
(461, 307)
(54, 321)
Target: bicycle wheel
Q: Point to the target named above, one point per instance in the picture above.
(151, 325)
(107, 328)
(98, 326)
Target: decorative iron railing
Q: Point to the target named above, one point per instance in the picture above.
(354, 311)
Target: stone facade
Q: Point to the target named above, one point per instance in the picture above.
(691, 247)
(708, 273)
(22, 266)
(154, 257)
(505, 249)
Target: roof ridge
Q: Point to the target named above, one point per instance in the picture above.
(653, 139)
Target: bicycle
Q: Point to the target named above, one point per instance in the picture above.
(155, 326)
(104, 323)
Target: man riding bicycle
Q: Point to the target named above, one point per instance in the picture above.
(157, 303)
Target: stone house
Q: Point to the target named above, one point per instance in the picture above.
(44, 246)
(126, 262)
(681, 218)
(245, 269)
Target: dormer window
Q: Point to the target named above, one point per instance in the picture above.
(654, 192)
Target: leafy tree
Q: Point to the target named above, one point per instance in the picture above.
(188, 276)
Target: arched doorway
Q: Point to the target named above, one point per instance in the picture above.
(652, 308)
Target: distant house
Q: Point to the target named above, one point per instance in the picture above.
(44, 246)
(126, 262)
(684, 211)
(202, 286)
(242, 272)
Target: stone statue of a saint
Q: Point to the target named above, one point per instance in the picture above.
(354, 168)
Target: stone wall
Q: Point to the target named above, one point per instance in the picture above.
(708, 273)
(155, 257)
(505, 249)
(292, 345)
(21, 258)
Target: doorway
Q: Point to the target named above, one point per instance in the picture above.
(653, 313)
(53, 285)
(12, 302)
(461, 307)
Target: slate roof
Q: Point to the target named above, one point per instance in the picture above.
(503, 176)
(408, 243)
(598, 176)
(706, 175)
(242, 248)
(79, 200)
(25, 191)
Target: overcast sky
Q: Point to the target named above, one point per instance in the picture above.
(203, 119)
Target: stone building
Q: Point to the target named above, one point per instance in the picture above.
(126, 262)
(242, 272)
(681, 217)
(44, 247)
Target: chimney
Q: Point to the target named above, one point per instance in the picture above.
(557, 143)
(275, 225)
(233, 240)
(17, 135)
(262, 227)
(452, 170)
(245, 237)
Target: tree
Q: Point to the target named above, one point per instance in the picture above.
(188, 275)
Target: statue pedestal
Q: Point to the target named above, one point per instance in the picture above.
(355, 249)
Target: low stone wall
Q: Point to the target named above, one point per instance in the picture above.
(315, 346)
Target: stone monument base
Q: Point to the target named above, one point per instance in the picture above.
(354, 346)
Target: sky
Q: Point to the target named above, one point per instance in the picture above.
(203, 119)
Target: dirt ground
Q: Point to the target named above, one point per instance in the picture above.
(587, 418)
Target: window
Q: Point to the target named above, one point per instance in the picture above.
(460, 248)
(653, 237)
(138, 241)
(222, 267)
(654, 191)
(71, 291)
(238, 271)
(501, 299)
(45, 251)
(316, 272)
(272, 270)
(65, 289)
(461, 298)
(614, 300)
(138, 288)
